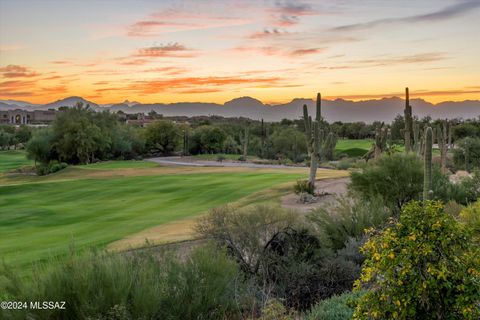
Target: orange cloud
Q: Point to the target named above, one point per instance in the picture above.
(189, 83)
(195, 91)
(16, 71)
(52, 78)
(133, 62)
(53, 90)
(168, 70)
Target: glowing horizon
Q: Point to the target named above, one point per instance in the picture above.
(214, 51)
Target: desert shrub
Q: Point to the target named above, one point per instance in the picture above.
(300, 271)
(471, 186)
(335, 308)
(51, 167)
(396, 179)
(245, 232)
(423, 267)
(303, 186)
(284, 259)
(274, 310)
(471, 217)
(465, 191)
(344, 164)
(466, 155)
(453, 208)
(348, 218)
(114, 286)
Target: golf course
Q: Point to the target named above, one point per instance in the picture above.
(97, 204)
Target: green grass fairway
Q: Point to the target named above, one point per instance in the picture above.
(41, 219)
(13, 159)
(353, 148)
(107, 165)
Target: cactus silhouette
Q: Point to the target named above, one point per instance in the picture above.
(245, 143)
(443, 139)
(427, 172)
(408, 123)
(313, 136)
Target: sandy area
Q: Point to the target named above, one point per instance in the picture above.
(332, 188)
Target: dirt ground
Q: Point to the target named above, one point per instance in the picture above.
(332, 188)
(191, 161)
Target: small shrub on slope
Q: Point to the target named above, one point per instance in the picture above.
(335, 308)
(396, 179)
(303, 186)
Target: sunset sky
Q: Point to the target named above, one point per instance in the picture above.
(212, 51)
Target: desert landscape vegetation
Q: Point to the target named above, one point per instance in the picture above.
(329, 207)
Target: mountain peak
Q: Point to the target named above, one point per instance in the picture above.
(245, 102)
(69, 102)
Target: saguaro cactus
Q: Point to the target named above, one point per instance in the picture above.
(262, 140)
(467, 154)
(408, 123)
(185, 142)
(417, 138)
(313, 134)
(329, 146)
(245, 143)
(442, 138)
(381, 136)
(427, 172)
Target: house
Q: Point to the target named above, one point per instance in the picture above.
(20, 117)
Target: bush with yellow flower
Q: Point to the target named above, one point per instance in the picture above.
(425, 266)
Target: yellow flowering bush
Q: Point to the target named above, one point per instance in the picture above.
(425, 266)
(470, 216)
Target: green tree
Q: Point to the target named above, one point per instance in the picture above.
(6, 139)
(397, 128)
(40, 147)
(465, 130)
(162, 137)
(423, 267)
(289, 143)
(23, 134)
(207, 139)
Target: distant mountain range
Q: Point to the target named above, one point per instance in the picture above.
(333, 110)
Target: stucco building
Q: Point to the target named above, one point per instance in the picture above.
(27, 117)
